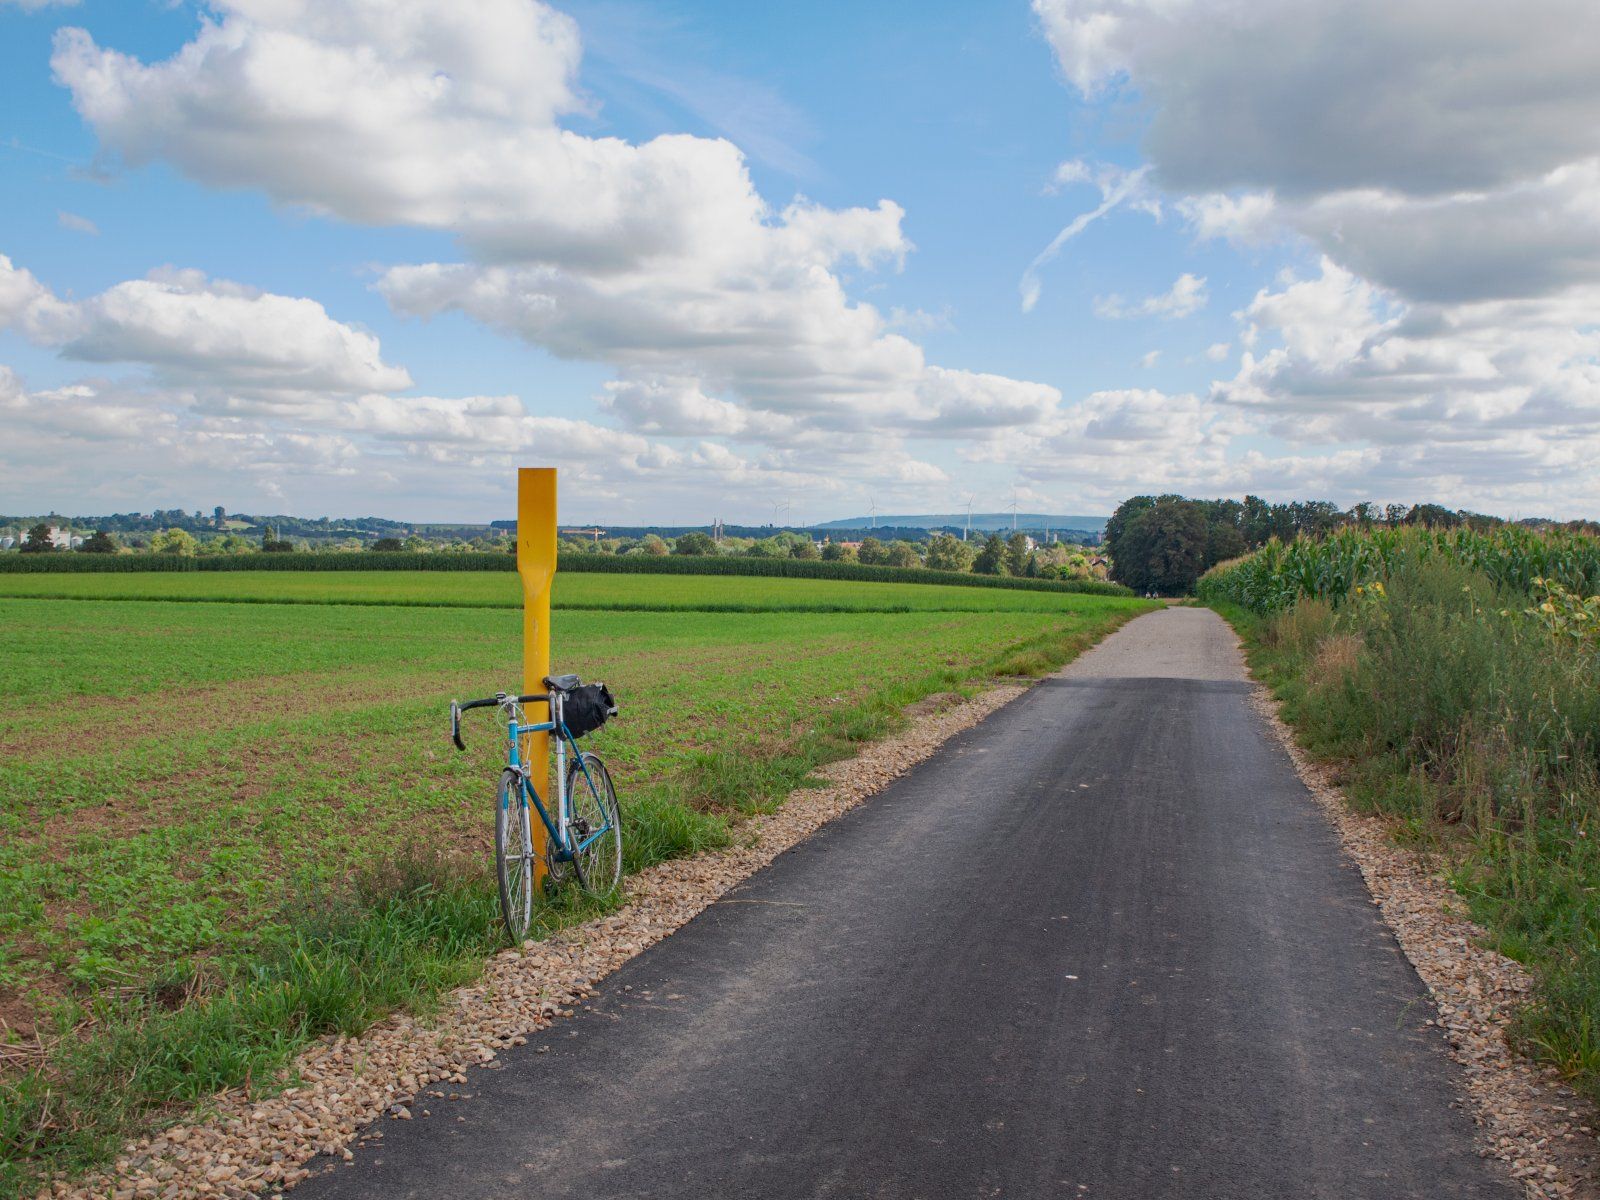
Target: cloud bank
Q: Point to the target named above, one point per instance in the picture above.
(1430, 170)
(1441, 163)
(721, 314)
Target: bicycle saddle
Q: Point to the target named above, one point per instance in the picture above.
(561, 683)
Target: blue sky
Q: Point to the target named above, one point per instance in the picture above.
(1354, 325)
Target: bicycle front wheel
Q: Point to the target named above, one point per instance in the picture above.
(513, 854)
(596, 824)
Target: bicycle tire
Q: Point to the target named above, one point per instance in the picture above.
(593, 803)
(513, 855)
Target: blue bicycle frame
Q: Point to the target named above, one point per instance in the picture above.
(557, 829)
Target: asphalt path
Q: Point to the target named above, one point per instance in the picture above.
(1102, 945)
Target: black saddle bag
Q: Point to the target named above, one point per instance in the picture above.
(587, 708)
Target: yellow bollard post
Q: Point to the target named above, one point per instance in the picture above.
(536, 563)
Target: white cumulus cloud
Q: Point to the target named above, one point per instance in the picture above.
(723, 314)
(202, 332)
(1442, 162)
(1449, 151)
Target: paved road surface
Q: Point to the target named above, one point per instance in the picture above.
(1103, 945)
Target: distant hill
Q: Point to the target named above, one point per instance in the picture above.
(984, 521)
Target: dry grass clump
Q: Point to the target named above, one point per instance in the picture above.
(1335, 660)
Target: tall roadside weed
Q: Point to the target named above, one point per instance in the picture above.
(1455, 680)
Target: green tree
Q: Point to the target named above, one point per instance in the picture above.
(98, 542)
(1125, 513)
(903, 554)
(946, 552)
(695, 543)
(388, 545)
(1222, 543)
(1017, 553)
(174, 541)
(38, 540)
(873, 552)
(837, 552)
(653, 545)
(1162, 548)
(1434, 516)
(771, 547)
(805, 548)
(991, 559)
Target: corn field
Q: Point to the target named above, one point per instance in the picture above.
(1278, 574)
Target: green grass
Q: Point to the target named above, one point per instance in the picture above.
(1478, 734)
(195, 795)
(662, 593)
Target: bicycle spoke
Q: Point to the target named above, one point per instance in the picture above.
(514, 856)
(595, 821)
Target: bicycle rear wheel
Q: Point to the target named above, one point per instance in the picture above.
(513, 855)
(593, 805)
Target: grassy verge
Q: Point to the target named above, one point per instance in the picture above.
(1478, 733)
(397, 938)
(172, 973)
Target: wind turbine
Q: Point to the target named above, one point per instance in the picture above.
(1013, 507)
(873, 509)
(971, 496)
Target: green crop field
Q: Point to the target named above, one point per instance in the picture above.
(719, 593)
(228, 827)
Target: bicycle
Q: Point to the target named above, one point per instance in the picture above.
(584, 838)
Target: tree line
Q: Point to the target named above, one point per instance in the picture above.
(1016, 555)
(1162, 544)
